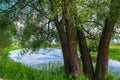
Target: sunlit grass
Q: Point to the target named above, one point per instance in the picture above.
(16, 71)
(10, 70)
(114, 51)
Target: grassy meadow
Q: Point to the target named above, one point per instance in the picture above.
(115, 51)
(10, 70)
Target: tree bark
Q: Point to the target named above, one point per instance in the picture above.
(103, 50)
(74, 61)
(64, 46)
(71, 42)
(69, 49)
(63, 39)
(85, 55)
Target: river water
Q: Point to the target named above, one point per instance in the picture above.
(45, 56)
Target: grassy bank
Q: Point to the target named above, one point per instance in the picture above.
(114, 51)
(10, 70)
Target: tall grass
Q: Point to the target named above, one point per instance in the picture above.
(112, 76)
(10, 70)
(114, 51)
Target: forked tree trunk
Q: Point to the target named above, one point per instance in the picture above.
(85, 55)
(69, 49)
(64, 46)
(103, 50)
(74, 63)
(73, 56)
(63, 39)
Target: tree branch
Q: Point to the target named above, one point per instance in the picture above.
(40, 11)
(94, 22)
(91, 36)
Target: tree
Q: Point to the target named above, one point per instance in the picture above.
(85, 55)
(66, 34)
(66, 16)
(102, 59)
(101, 70)
(63, 25)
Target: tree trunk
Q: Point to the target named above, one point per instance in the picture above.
(85, 55)
(63, 39)
(74, 61)
(64, 46)
(102, 59)
(69, 49)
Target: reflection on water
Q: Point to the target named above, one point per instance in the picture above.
(114, 66)
(53, 55)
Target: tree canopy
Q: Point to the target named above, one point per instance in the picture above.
(42, 21)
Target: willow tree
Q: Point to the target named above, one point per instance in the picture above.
(65, 28)
(38, 16)
(112, 16)
(103, 50)
(37, 24)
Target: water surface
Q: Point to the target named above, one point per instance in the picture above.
(45, 56)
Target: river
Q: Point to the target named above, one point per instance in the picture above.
(39, 59)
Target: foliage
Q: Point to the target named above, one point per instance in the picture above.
(7, 30)
(36, 15)
(34, 36)
(37, 18)
(92, 45)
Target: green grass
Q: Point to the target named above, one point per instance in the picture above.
(10, 70)
(114, 51)
(112, 77)
(7, 49)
